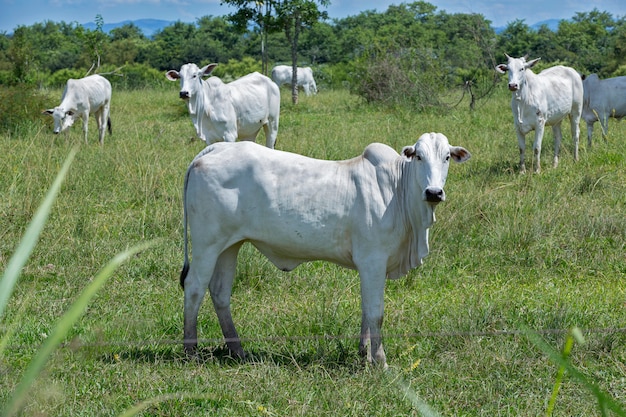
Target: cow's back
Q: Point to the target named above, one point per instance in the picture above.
(92, 92)
(604, 97)
(556, 92)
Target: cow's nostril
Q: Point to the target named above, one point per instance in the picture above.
(434, 195)
(184, 94)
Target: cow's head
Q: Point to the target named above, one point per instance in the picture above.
(431, 155)
(190, 77)
(517, 71)
(63, 119)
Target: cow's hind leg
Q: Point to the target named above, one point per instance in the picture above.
(195, 285)
(558, 137)
(220, 287)
(101, 122)
(271, 132)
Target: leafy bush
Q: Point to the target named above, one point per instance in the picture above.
(235, 68)
(406, 77)
(60, 77)
(20, 107)
(135, 76)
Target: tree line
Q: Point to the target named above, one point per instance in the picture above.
(412, 45)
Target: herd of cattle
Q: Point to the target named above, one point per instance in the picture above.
(371, 213)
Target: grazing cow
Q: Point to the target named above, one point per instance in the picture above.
(281, 74)
(227, 112)
(89, 95)
(370, 213)
(603, 99)
(541, 100)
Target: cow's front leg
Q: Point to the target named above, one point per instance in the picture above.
(85, 126)
(521, 141)
(372, 307)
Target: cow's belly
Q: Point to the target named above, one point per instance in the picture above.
(288, 250)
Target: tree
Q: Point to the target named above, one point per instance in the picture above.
(258, 11)
(293, 16)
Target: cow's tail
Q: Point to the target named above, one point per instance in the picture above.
(109, 126)
(183, 273)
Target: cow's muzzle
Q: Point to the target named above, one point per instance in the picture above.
(513, 87)
(184, 95)
(434, 195)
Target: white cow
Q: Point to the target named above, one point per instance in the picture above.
(603, 99)
(281, 74)
(541, 100)
(227, 112)
(89, 95)
(370, 213)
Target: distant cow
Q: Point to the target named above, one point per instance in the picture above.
(370, 213)
(603, 99)
(227, 112)
(89, 95)
(281, 74)
(541, 100)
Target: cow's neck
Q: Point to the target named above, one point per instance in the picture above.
(416, 215)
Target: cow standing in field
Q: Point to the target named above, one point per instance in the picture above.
(89, 95)
(281, 74)
(603, 99)
(541, 100)
(370, 213)
(227, 112)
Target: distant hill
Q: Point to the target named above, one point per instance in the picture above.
(147, 26)
(553, 25)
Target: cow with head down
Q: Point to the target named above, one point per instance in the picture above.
(227, 112)
(541, 100)
(371, 213)
(82, 97)
(282, 74)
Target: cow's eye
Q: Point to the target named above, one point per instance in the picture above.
(418, 157)
(447, 158)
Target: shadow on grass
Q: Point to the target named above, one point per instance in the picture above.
(339, 358)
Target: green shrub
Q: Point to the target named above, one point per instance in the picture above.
(406, 77)
(20, 107)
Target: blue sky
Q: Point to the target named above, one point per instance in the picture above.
(26, 12)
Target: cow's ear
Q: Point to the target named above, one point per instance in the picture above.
(49, 112)
(207, 70)
(408, 152)
(532, 63)
(172, 75)
(502, 68)
(459, 154)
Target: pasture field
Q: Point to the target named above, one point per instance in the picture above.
(545, 251)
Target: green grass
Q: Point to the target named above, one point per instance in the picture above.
(545, 251)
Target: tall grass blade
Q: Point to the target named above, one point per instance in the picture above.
(567, 349)
(31, 236)
(605, 402)
(63, 327)
(423, 408)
